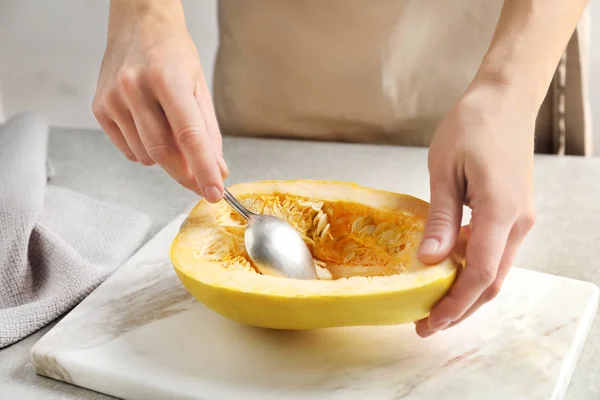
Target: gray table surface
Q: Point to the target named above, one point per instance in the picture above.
(564, 241)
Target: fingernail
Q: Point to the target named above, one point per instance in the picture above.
(212, 194)
(427, 334)
(429, 245)
(442, 324)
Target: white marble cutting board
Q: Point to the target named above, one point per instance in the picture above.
(141, 336)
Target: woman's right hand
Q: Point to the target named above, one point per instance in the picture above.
(152, 99)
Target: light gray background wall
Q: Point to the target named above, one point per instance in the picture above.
(50, 52)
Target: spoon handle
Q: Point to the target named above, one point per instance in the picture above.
(244, 212)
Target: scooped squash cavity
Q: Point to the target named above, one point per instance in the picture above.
(364, 241)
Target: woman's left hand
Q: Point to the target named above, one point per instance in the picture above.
(481, 156)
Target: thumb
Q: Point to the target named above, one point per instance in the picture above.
(205, 103)
(222, 166)
(443, 222)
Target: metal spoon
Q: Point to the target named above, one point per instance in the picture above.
(275, 247)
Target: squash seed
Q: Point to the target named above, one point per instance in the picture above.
(317, 217)
(350, 247)
(349, 256)
(388, 237)
(367, 230)
(357, 225)
(321, 223)
(325, 231)
(398, 249)
(323, 273)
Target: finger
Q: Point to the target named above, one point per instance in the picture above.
(223, 167)
(204, 100)
(191, 136)
(515, 239)
(118, 111)
(155, 134)
(491, 292)
(443, 221)
(114, 134)
(489, 235)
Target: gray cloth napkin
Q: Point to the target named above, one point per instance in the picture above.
(56, 246)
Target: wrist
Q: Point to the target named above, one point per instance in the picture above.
(490, 99)
(156, 13)
(519, 78)
(141, 8)
(505, 85)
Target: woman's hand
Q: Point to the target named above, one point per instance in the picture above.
(152, 99)
(481, 156)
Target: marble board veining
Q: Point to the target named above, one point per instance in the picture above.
(141, 336)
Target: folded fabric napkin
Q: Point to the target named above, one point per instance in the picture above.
(56, 246)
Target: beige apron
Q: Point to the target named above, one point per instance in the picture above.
(377, 71)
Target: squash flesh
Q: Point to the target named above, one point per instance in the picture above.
(346, 238)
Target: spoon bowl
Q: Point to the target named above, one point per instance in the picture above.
(274, 245)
